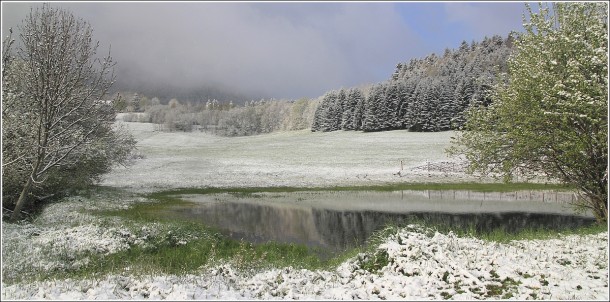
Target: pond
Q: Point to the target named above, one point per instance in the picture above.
(338, 220)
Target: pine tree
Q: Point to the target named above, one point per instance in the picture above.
(359, 99)
(445, 110)
(391, 107)
(350, 107)
(372, 111)
(319, 116)
(429, 94)
(341, 108)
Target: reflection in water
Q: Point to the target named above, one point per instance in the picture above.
(344, 229)
(257, 223)
(336, 228)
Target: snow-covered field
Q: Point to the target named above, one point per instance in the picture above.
(413, 264)
(294, 158)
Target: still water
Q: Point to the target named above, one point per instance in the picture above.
(339, 220)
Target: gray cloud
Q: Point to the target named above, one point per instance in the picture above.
(282, 50)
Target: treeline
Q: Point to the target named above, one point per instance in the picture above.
(429, 94)
(226, 119)
(167, 91)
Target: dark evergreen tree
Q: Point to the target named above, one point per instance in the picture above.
(358, 97)
(428, 94)
(341, 108)
(318, 117)
(391, 107)
(373, 109)
(350, 106)
(324, 113)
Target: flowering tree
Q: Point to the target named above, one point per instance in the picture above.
(549, 115)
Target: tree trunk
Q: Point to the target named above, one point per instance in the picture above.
(600, 207)
(23, 198)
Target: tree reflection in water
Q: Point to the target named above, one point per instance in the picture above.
(316, 224)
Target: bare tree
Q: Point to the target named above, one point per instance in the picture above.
(61, 85)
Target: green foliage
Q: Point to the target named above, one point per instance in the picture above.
(549, 114)
(501, 287)
(374, 263)
(300, 115)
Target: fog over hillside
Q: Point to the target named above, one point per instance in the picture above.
(272, 50)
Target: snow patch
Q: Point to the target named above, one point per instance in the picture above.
(421, 264)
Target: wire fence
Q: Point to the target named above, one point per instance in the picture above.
(544, 196)
(441, 166)
(448, 167)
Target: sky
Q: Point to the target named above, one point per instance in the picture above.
(282, 50)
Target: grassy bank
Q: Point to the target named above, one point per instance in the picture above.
(209, 246)
(191, 248)
(460, 186)
(159, 245)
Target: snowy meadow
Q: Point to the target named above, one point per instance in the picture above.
(51, 256)
(290, 158)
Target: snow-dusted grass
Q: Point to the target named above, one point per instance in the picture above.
(412, 263)
(64, 235)
(294, 158)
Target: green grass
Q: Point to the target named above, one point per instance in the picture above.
(495, 235)
(537, 234)
(466, 186)
(167, 257)
(166, 254)
(211, 247)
